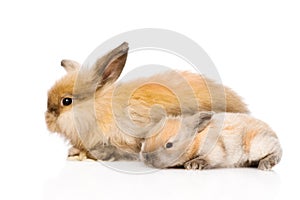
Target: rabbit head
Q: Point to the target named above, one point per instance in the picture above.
(166, 148)
(70, 108)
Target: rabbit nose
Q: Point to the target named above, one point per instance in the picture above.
(53, 109)
(147, 156)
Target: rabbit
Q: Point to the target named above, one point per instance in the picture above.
(209, 140)
(88, 108)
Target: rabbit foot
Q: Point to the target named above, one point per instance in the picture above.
(196, 163)
(80, 157)
(75, 154)
(268, 162)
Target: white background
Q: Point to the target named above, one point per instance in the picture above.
(255, 46)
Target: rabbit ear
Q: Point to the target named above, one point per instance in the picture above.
(109, 67)
(70, 65)
(197, 122)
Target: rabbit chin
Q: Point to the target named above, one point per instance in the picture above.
(153, 159)
(51, 121)
(63, 125)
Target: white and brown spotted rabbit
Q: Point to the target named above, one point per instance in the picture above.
(206, 140)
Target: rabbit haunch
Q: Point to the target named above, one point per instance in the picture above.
(98, 117)
(206, 140)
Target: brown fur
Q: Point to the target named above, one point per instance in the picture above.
(248, 137)
(160, 138)
(100, 105)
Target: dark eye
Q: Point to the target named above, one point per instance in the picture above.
(67, 101)
(169, 145)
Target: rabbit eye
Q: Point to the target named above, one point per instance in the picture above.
(169, 145)
(67, 101)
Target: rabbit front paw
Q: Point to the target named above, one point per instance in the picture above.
(76, 154)
(196, 163)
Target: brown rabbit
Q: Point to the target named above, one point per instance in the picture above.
(89, 109)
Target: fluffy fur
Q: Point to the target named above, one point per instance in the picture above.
(205, 141)
(107, 115)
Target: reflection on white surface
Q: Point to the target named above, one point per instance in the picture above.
(93, 180)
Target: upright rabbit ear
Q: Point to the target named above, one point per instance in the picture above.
(109, 67)
(70, 65)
